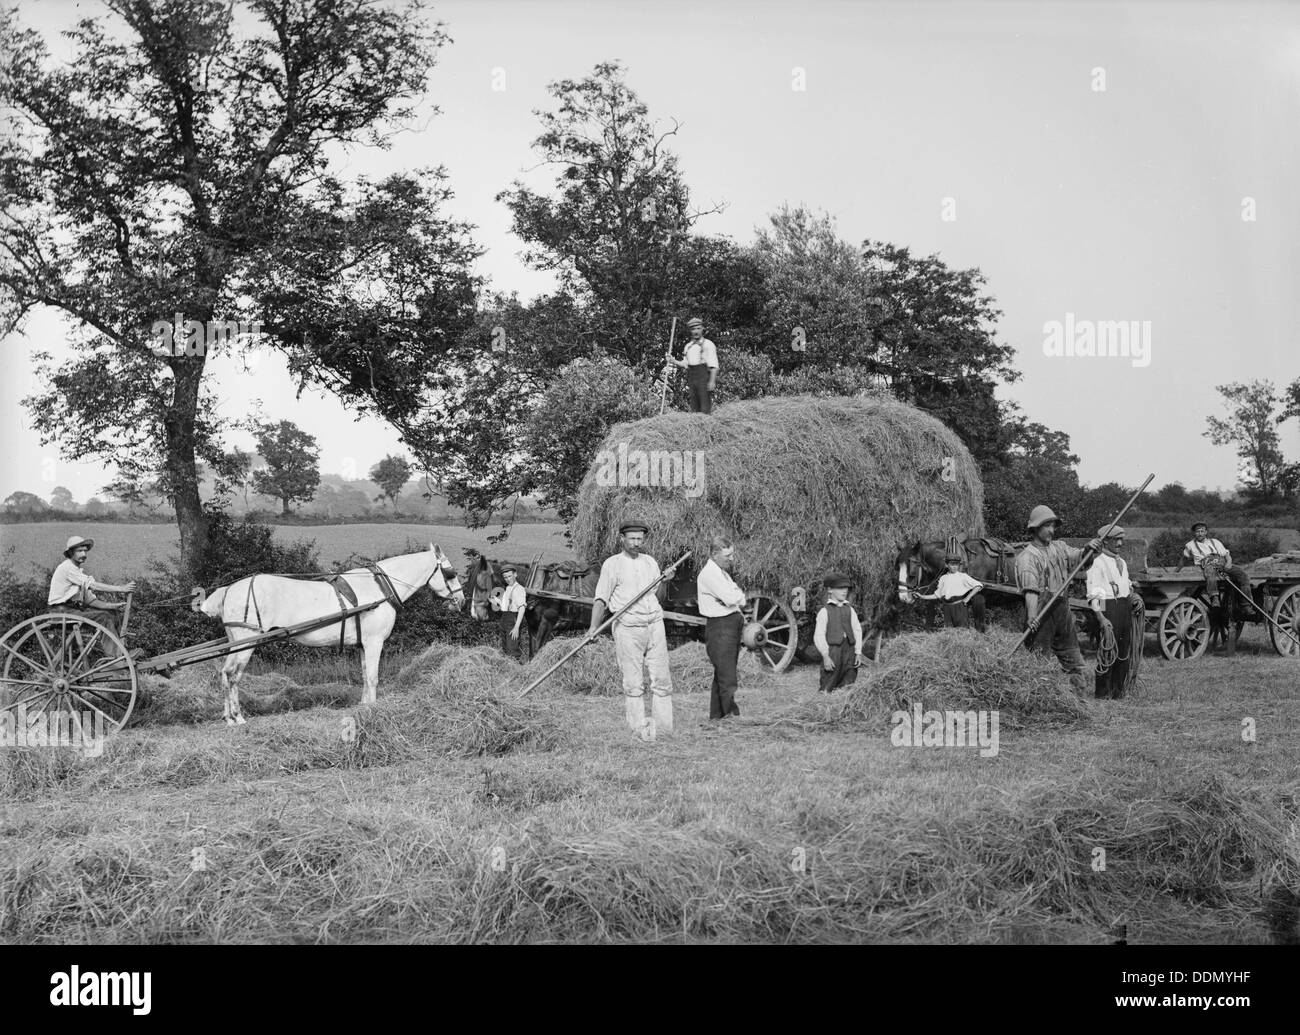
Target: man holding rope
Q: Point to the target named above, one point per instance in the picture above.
(1108, 596)
(639, 635)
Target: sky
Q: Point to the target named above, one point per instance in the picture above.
(1090, 159)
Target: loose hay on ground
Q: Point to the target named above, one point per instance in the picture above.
(963, 670)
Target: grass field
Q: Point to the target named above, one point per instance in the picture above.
(768, 829)
(122, 550)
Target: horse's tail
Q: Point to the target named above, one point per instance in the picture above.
(212, 604)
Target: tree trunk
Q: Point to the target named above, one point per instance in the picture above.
(178, 426)
(284, 506)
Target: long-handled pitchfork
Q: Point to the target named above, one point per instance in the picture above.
(1082, 561)
(663, 395)
(1267, 617)
(592, 636)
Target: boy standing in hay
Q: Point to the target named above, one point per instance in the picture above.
(962, 595)
(639, 635)
(838, 636)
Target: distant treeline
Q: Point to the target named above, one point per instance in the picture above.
(166, 517)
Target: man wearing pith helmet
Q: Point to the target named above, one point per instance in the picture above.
(71, 587)
(640, 639)
(1041, 569)
(700, 361)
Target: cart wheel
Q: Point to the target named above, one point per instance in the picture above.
(770, 629)
(1184, 629)
(1286, 613)
(67, 663)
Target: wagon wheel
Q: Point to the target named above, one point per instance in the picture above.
(67, 663)
(1286, 613)
(770, 629)
(1184, 629)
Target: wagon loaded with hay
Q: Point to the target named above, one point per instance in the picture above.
(801, 485)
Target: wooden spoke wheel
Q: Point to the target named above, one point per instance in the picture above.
(66, 663)
(1184, 629)
(770, 629)
(1286, 613)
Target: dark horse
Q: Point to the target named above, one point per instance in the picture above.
(921, 564)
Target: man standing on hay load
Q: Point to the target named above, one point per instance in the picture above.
(1041, 569)
(1108, 595)
(639, 635)
(700, 361)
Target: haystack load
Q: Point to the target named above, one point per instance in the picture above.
(802, 485)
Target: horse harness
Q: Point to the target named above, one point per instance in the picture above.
(343, 590)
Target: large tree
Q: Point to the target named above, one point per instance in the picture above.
(292, 469)
(180, 164)
(1251, 426)
(391, 475)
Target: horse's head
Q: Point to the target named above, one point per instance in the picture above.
(444, 581)
(917, 564)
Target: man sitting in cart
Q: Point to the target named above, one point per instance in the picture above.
(1200, 549)
(71, 587)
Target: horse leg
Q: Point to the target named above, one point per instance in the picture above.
(231, 672)
(371, 649)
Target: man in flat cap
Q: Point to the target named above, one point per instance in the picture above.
(1109, 589)
(1041, 569)
(700, 361)
(1213, 558)
(639, 635)
(73, 588)
(513, 602)
(720, 601)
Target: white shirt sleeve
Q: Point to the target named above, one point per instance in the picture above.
(607, 582)
(857, 631)
(710, 354)
(819, 634)
(1097, 580)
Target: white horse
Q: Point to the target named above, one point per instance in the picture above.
(260, 603)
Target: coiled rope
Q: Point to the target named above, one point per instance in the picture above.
(1107, 648)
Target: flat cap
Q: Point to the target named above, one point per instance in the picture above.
(633, 525)
(694, 321)
(837, 580)
(509, 567)
(1115, 533)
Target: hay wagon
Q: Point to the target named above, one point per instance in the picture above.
(1177, 611)
(775, 627)
(63, 661)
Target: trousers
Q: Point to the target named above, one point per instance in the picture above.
(958, 615)
(511, 645)
(637, 648)
(698, 396)
(844, 672)
(722, 644)
(1056, 633)
(1120, 615)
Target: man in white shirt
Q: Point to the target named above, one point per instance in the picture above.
(639, 635)
(513, 603)
(1109, 588)
(1201, 548)
(71, 587)
(721, 602)
(700, 361)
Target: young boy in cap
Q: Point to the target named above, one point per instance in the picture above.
(1108, 594)
(962, 595)
(700, 361)
(69, 581)
(639, 636)
(838, 636)
(513, 603)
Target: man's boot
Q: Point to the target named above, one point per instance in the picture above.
(661, 708)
